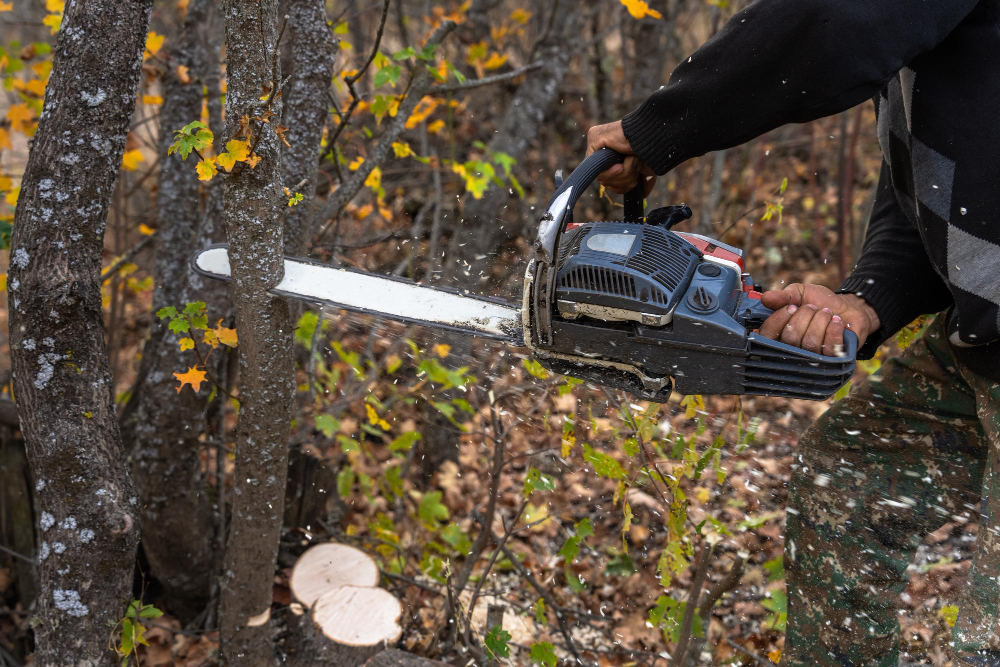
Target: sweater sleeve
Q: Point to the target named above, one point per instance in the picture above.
(784, 61)
(894, 274)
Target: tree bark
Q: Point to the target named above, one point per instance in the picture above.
(87, 509)
(306, 113)
(253, 227)
(166, 425)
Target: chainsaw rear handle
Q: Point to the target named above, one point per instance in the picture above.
(559, 210)
(755, 314)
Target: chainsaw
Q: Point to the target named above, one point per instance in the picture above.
(627, 304)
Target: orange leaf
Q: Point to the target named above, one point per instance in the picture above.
(193, 377)
(226, 336)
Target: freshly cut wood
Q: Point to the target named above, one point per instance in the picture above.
(326, 567)
(359, 616)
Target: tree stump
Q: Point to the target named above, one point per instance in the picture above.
(347, 618)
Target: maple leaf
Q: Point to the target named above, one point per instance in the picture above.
(206, 169)
(224, 335)
(131, 159)
(193, 377)
(640, 9)
(253, 160)
(154, 42)
(19, 116)
(186, 344)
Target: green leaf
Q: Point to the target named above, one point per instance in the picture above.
(149, 611)
(571, 548)
(544, 653)
(128, 637)
(842, 392)
(950, 614)
(777, 604)
(432, 510)
(327, 425)
(535, 369)
(388, 75)
(569, 385)
(404, 442)
(179, 325)
(345, 482)
(348, 445)
(536, 481)
(604, 465)
(166, 311)
(340, 28)
(575, 583)
(457, 538)
(496, 643)
(775, 569)
(427, 53)
(540, 611)
(408, 52)
(194, 308)
(458, 75)
(306, 328)
(620, 565)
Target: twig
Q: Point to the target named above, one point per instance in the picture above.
(351, 80)
(16, 554)
(684, 636)
(129, 255)
(336, 201)
(745, 651)
(484, 81)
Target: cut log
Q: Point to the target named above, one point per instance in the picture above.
(326, 567)
(347, 626)
(393, 657)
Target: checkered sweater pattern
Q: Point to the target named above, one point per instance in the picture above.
(933, 69)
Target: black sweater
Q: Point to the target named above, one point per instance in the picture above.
(933, 67)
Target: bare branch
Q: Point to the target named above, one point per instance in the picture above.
(484, 81)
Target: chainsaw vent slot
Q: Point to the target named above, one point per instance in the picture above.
(599, 279)
(664, 257)
(571, 245)
(773, 369)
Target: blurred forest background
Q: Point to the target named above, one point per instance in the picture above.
(516, 515)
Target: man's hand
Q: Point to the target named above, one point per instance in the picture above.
(813, 318)
(622, 177)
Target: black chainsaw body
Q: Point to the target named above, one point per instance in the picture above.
(637, 306)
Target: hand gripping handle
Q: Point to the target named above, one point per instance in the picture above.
(588, 170)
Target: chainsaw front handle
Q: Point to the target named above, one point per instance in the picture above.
(559, 210)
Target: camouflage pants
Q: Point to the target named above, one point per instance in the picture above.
(913, 447)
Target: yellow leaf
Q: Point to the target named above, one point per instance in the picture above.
(55, 5)
(36, 87)
(11, 197)
(567, 444)
(701, 493)
(53, 21)
(226, 161)
(193, 377)
(131, 159)
(19, 116)
(363, 212)
(693, 403)
(206, 169)
(3, 282)
(239, 149)
(356, 163)
(182, 6)
(154, 42)
(6, 6)
(253, 160)
(186, 344)
(145, 229)
(537, 516)
(774, 656)
(4, 138)
(373, 417)
(226, 336)
(374, 179)
(442, 350)
(152, 99)
(401, 149)
(183, 76)
(639, 9)
(425, 107)
(5, 183)
(520, 15)
(496, 60)
(384, 211)
(436, 126)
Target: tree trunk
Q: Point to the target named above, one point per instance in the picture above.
(166, 455)
(253, 226)
(306, 112)
(85, 501)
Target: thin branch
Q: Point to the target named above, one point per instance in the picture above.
(109, 273)
(484, 81)
(16, 554)
(684, 636)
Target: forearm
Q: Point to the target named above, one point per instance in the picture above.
(782, 61)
